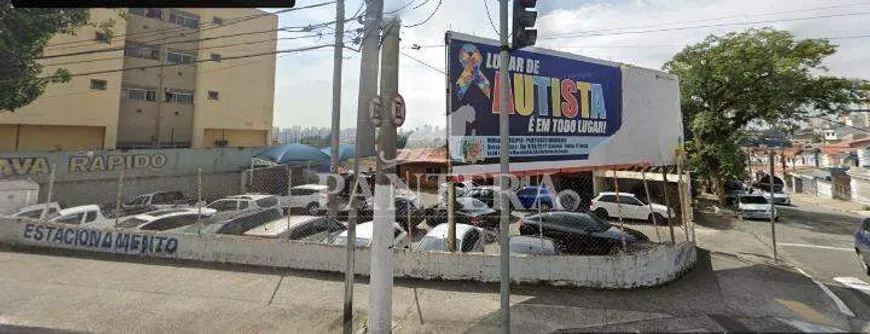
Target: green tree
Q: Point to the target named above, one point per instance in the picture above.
(24, 32)
(759, 76)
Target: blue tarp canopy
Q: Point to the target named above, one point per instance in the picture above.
(345, 151)
(293, 154)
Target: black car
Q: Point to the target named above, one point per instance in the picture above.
(365, 211)
(469, 211)
(233, 223)
(580, 233)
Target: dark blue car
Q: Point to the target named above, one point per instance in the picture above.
(533, 197)
(862, 244)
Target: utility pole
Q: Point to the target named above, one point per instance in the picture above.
(772, 219)
(504, 154)
(364, 137)
(381, 275)
(161, 95)
(336, 106)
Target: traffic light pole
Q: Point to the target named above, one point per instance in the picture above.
(504, 154)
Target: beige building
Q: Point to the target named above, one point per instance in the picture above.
(179, 87)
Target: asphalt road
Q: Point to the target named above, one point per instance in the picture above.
(820, 241)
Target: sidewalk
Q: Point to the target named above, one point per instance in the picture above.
(833, 204)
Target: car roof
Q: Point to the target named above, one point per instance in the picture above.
(614, 193)
(252, 197)
(313, 186)
(441, 230)
(366, 230)
(280, 226)
(80, 208)
(37, 206)
(152, 215)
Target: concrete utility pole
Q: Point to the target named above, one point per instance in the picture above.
(337, 52)
(504, 144)
(381, 275)
(364, 137)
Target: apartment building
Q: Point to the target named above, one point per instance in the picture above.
(166, 78)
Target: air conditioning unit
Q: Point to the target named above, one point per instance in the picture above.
(221, 143)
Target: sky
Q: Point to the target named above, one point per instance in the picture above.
(644, 33)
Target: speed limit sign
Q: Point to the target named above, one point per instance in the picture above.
(398, 108)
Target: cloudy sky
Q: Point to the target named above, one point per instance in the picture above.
(640, 32)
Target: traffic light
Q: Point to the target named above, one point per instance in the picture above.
(524, 33)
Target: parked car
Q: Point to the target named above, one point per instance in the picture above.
(154, 201)
(365, 233)
(535, 197)
(309, 228)
(36, 211)
(469, 211)
(580, 233)
(732, 191)
(311, 197)
(862, 244)
(167, 219)
(84, 215)
(605, 206)
(468, 239)
(756, 207)
(779, 196)
(234, 222)
(461, 189)
(366, 207)
(485, 194)
(244, 202)
(534, 245)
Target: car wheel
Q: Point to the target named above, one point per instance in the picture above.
(655, 218)
(602, 213)
(544, 206)
(776, 219)
(312, 208)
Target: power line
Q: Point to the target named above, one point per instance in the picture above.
(195, 49)
(428, 18)
(187, 63)
(489, 17)
(423, 63)
(718, 18)
(207, 26)
(705, 26)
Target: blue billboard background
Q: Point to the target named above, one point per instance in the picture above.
(544, 126)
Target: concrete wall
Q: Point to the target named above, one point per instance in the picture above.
(824, 189)
(651, 267)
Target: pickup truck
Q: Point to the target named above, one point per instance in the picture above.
(84, 215)
(37, 211)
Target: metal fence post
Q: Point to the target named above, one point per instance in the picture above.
(118, 197)
(44, 215)
(649, 203)
(619, 210)
(289, 197)
(199, 194)
(681, 193)
(408, 211)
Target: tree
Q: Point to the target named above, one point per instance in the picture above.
(24, 32)
(759, 75)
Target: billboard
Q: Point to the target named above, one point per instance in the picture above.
(564, 109)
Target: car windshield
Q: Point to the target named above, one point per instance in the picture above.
(131, 223)
(342, 240)
(753, 200)
(432, 244)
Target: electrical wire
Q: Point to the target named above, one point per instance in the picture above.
(489, 16)
(400, 8)
(207, 26)
(423, 63)
(428, 18)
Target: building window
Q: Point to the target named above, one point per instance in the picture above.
(184, 19)
(215, 57)
(139, 94)
(103, 36)
(133, 49)
(179, 96)
(137, 11)
(213, 95)
(154, 13)
(217, 20)
(179, 57)
(99, 84)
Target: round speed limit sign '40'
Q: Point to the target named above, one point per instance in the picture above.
(398, 108)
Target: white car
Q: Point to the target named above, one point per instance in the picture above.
(312, 197)
(166, 219)
(461, 189)
(605, 206)
(36, 211)
(779, 197)
(756, 207)
(365, 232)
(244, 202)
(468, 239)
(84, 215)
(309, 228)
